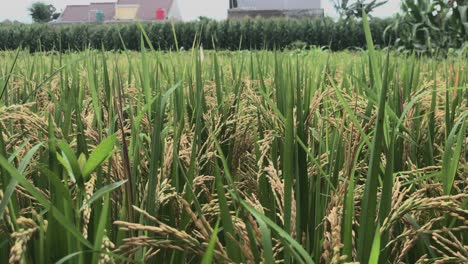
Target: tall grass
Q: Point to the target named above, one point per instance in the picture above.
(245, 157)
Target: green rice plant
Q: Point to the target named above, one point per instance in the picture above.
(369, 200)
(304, 156)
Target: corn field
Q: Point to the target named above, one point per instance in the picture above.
(233, 157)
(275, 33)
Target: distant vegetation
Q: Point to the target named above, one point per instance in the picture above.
(42, 13)
(225, 35)
(353, 9)
(428, 26)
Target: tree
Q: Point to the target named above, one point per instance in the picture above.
(55, 16)
(348, 9)
(41, 12)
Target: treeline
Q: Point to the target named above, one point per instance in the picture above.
(227, 35)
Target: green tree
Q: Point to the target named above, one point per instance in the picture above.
(56, 15)
(41, 12)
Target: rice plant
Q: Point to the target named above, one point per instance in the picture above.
(233, 157)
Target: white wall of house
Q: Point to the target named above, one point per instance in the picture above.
(187, 10)
(279, 4)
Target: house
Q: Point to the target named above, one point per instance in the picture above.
(107, 9)
(124, 11)
(275, 8)
(92, 13)
(142, 10)
(120, 11)
(74, 14)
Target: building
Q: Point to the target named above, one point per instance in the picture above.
(124, 11)
(275, 8)
(75, 14)
(120, 11)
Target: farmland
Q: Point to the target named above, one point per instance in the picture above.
(302, 156)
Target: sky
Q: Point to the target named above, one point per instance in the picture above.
(18, 9)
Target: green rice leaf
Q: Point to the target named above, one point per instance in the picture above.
(100, 154)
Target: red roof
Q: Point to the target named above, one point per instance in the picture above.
(128, 2)
(75, 13)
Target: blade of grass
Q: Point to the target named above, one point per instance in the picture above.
(369, 199)
(228, 227)
(103, 191)
(13, 182)
(43, 201)
(5, 85)
(209, 252)
(452, 154)
(375, 250)
(101, 153)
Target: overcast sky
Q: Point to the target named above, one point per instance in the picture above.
(17, 9)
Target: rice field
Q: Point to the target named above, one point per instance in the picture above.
(233, 157)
